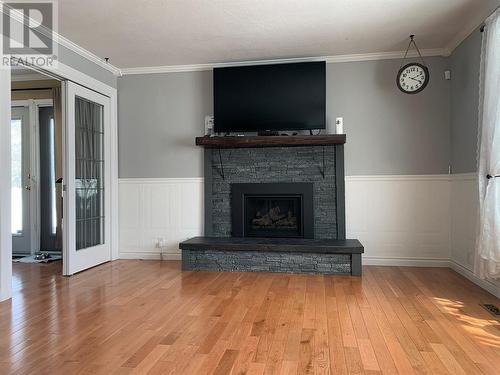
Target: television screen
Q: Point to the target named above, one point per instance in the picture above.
(270, 97)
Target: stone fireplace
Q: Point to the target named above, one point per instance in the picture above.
(274, 204)
(321, 167)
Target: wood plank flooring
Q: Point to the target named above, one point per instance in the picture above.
(148, 317)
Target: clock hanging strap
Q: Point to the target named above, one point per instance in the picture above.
(412, 41)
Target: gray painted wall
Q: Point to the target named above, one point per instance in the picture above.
(465, 64)
(159, 115)
(388, 132)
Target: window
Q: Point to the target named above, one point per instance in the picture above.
(52, 178)
(17, 176)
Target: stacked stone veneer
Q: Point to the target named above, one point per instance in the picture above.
(265, 261)
(274, 165)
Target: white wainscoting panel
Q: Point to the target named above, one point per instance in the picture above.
(169, 208)
(400, 220)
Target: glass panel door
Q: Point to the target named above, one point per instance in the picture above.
(87, 200)
(20, 181)
(89, 173)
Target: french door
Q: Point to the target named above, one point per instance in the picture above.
(86, 191)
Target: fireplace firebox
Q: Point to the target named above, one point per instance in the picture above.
(272, 210)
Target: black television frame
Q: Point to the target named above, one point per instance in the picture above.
(259, 129)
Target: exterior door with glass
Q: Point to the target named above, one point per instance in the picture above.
(87, 179)
(21, 181)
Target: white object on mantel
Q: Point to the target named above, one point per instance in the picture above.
(339, 125)
(209, 125)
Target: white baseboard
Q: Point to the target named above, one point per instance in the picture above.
(485, 284)
(405, 262)
(149, 256)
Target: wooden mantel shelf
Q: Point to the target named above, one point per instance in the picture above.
(271, 141)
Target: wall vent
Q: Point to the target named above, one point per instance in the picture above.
(494, 310)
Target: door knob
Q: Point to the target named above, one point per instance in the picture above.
(27, 187)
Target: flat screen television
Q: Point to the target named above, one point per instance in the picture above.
(273, 97)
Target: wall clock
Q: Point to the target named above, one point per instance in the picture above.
(412, 77)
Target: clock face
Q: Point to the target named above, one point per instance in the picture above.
(412, 78)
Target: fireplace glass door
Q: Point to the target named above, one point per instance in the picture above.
(273, 216)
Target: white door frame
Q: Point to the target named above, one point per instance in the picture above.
(68, 73)
(5, 188)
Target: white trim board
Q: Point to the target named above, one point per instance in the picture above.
(161, 180)
(485, 284)
(408, 177)
(5, 187)
(150, 255)
(415, 177)
(327, 59)
(464, 176)
(405, 261)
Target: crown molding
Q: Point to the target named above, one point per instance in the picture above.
(61, 40)
(328, 59)
(466, 32)
(65, 42)
(460, 37)
(384, 55)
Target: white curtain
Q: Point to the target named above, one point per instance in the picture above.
(488, 240)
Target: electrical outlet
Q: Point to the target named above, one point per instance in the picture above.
(161, 242)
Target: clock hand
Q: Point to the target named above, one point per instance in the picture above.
(419, 81)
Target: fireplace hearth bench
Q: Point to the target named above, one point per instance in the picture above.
(295, 255)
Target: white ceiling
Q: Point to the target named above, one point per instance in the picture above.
(138, 33)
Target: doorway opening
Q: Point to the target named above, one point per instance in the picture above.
(36, 168)
(89, 186)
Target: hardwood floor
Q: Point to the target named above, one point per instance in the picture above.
(148, 317)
